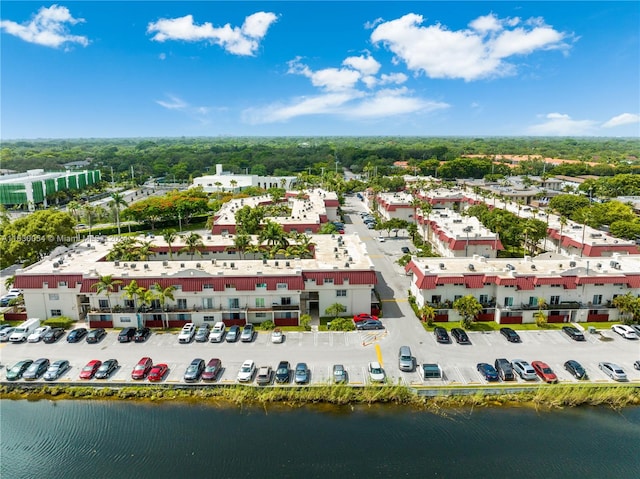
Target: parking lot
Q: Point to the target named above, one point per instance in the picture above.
(321, 350)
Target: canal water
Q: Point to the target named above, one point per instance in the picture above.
(97, 439)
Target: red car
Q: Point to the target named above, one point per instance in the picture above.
(157, 372)
(364, 317)
(211, 371)
(544, 372)
(90, 369)
(141, 369)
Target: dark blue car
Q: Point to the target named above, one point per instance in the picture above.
(488, 372)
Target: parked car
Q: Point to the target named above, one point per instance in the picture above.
(405, 250)
(301, 374)
(573, 332)
(364, 317)
(212, 370)
(38, 334)
(247, 333)
(233, 334)
(247, 370)
(141, 369)
(487, 371)
(107, 369)
(53, 335)
(217, 333)
(510, 335)
(524, 369)
(36, 370)
(5, 333)
(142, 334)
(202, 335)
(55, 370)
(369, 324)
(405, 359)
(126, 335)
(636, 364)
(75, 335)
(460, 336)
(17, 370)
(90, 369)
(625, 331)
(339, 374)
(441, 335)
(575, 369)
(614, 371)
(187, 333)
(194, 370)
(264, 375)
(544, 372)
(381, 239)
(277, 336)
(376, 373)
(96, 335)
(158, 372)
(283, 374)
(505, 371)
(7, 298)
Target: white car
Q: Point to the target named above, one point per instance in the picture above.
(277, 336)
(376, 373)
(5, 333)
(381, 239)
(187, 333)
(614, 371)
(38, 334)
(625, 331)
(217, 333)
(246, 372)
(524, 369)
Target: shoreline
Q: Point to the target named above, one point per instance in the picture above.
(543, 397)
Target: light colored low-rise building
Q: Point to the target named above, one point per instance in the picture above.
(513, 290)
(223, 284)
(226, 181)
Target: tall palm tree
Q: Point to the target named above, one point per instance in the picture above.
(162, 294)
(117, 200)
(73, 207)
(170, 236)
(106, 284)
(193, 244)
(273, 234)
(144, 251)
(241, 242)
(132, 291)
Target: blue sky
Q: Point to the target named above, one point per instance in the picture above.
(167, 69)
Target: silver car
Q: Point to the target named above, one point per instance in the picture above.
(614, 371)
(524, 369)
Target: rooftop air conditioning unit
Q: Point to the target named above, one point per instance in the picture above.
(56, 264)
(146, 266)
(287, 264)
(232, 265)
(165, 263)
(442, 266)
(346, 265)
(133, 266)
(198, 265)
(472, 267)
(533, 266)
(182, 265)
(276, 264)
(125, 265)
(213, 261)
(116, 263)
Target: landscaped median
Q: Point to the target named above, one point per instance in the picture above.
(429, 398)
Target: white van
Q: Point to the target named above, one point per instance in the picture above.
(23, 331)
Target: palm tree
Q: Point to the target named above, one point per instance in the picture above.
(73, 207)
(117, 200)
(9, 281)
(162, 294)
(427, 314)
(273, 234)
(107, 285)
(193, 244)
(170, 236)
(131, 291)
(241, 242)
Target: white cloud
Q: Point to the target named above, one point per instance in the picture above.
(470, 54)
(623, 119)
(174, 103)
(243, 40)
(198, 113)
(365, 65)
(559, 124)
(49, 27)
(387, 103)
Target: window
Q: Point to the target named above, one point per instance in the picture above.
(103, 303)
(156, 317)
(62, 284)
(259, 302)
(155, 304)
(209, 318)
(184, 317)
(597, 299)
(182, 303)
(261, 286)
(207, 286)
(282, 286)
(286, 301)
(128, 303)
(178, 287)
(105, 317)
(207, 303)
(234, 303)
(533, 301)
(484, 299)
(341, 292)
(125, 319)
(54, 297)
(436, 299)
(56, 312)
(230, 286)
(328, 280)
(456, 297)
(554, 300)
(261, 315)
(508, 301)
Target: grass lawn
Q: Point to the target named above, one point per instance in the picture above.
(493, 326)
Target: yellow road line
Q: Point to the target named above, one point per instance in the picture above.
(379, 354)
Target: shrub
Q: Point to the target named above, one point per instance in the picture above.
(267, 325)
(342, 324)
(305, 322)
(541, 319)
(59, 322)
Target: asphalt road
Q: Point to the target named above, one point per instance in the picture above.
(320, 350)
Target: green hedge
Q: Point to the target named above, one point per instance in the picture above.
(59, 322)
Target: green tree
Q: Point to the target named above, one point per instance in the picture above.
(193, 244)
(342, 324)
(169, 237)
(427, 314)
(335, 310)
(241, 242)
(107, 285)
(131, 292)
(117, 200)
(305, 322)
(628, 307)
(469, 308)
